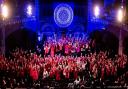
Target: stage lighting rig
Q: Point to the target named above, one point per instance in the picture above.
(5, 11)
(120, 15)
(29, 10)
(96, 11)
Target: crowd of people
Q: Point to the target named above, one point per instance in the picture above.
(67, 46)
(65, 61)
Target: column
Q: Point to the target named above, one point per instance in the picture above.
(90, 14)
(3, 39)
(37, 9)
(37, 19)
(120, 48)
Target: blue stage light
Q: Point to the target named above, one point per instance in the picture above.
(39, 38)
(63, 15)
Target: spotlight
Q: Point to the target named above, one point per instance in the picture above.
(120, 15)
(5, 11)
(29, 10)
(96, 11)
(39, 38)
(122, 7)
